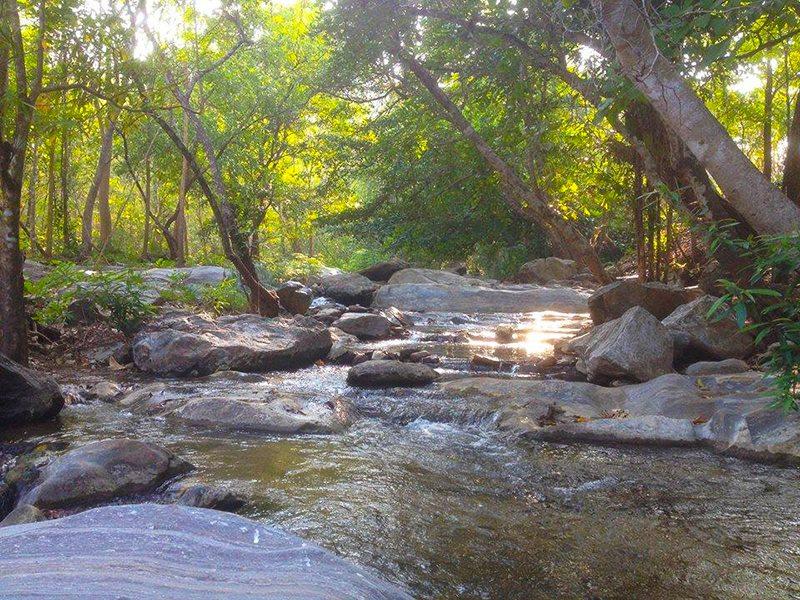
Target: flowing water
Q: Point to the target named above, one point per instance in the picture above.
(440, 501)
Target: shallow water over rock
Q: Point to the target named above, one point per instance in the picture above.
(427, 491)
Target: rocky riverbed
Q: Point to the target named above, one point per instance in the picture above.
(466, 487)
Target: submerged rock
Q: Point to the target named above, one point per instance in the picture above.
(636, 346)
(201, 495)
(149, 552)
(382, 271)
(615, 299)
(434, 297)
(545, 270)
(187, 344)
(104, 471)
(348, 288)
(283, 414)
(390, 373)
(696, 335)
(26, 395)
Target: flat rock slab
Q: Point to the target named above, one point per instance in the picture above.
(433, 297)
(187, 344)
(149, 551)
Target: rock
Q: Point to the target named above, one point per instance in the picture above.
(328, 315)
(349, 288)
(82, 312)
(482, 361)
(430, 360)
(697, 336)
(475, 300)
(23, 513)
(119, 351)
(160, 278)
(34, 271)
(459, 268)
(153, 552)
(295, 297)
(105, 391)
(613, 300)
(343, 344)
(390, 373)
(104, 471)
(200, 495)
(504, 334)
(382, 271)
(365, 326)
(186, 344)
(282, 414)
(416, 357)
(636, 346)
(407, 276)
(26, 395)
(652, 430)
(545, 270)
(722, 367)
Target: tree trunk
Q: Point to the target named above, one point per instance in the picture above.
(103, 192)
(66, 236)
(530, 204)
(638, 223)
(51, 200)
(13, 324)
(87, 222)
(147, 209)
(769, 95)
(765, 208)
(30, 220)
(180, 232)
(791, 168)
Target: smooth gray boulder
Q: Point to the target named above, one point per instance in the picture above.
(282, 414)
(365, 326)
(635, 347)
(615, 299)
(717, 367)
(382, 271)
(103, 471)
(390, 373)
(698, 336)
(348, 288)
(545, 270)
(26, 395)
(153, 552)
(434, 297)
(187, 344)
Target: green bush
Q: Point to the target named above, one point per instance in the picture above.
(224, 297)
(767, 305)
(120, 296)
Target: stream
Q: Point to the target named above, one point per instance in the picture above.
(444, 503)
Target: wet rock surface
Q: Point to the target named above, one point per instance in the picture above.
(188, 344)
(151, 551)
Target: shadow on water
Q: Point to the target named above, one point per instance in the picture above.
(433, 497)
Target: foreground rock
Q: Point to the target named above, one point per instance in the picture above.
(432, 297)
(365, 326)
(104, 471)
(25, 395)
(634, 347)
(698, 336)
(382, 271)
(545, 270)
(728, 413)
(187, 344)
(615, 299)
(149, 551)
(390, 373)
(285, 414)
(348, 288)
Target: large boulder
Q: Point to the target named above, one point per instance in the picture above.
(382, 271)
(390, 373)
(149, 552)
(284, 414)
(433, 297)
(545, 270)
(104, 471)
(697, 336)
(348, 288)
(187, 344)
(613, 300)
(433, 276)
(295, 297)
(365, 326)
(26, 395)
(635, 347)
(195, 276)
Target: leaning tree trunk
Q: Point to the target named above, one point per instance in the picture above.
(522, 199)
(791, 168)
(103, 193)
(764, 207)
